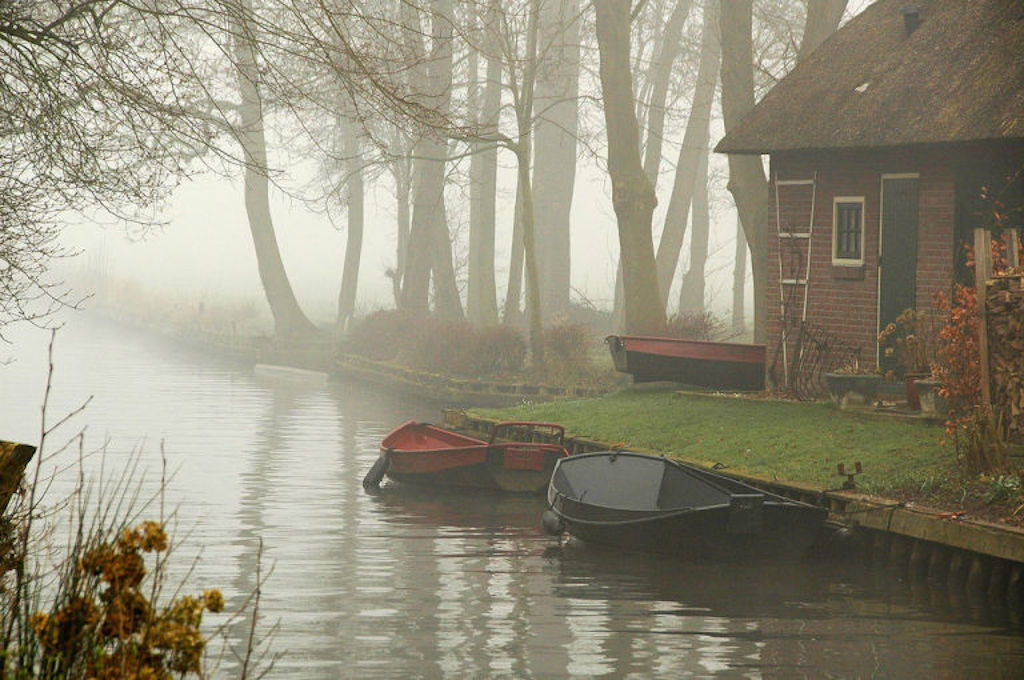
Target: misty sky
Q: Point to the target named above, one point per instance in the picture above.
(205, 250)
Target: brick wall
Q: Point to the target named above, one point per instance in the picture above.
(842, 302)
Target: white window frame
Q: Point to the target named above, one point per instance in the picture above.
(846, 262)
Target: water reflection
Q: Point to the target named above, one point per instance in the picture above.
(425, 583)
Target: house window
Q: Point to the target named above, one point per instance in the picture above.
(848, 230)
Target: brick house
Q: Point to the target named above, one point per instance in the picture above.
(890, 129)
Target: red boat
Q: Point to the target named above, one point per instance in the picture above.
(715, 365)
(421, 453)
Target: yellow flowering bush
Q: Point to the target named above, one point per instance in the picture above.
(117, 627)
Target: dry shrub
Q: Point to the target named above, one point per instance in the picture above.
(381, 335)
(695, 326)
(439, 345)
(499, 350)
(957, 367)
(430, 343)
(567, 351)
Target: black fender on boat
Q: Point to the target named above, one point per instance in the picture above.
(374, 477)
(552, 523)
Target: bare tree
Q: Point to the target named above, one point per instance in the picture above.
(667, 52)
(691, 293)
(555, 133)
(408, 79)
(666, 39)
(351, 132)
(481, 292)
(691, 152)
(822, 18)
(401, 171)
(289, 319)
(522, 55)
(632, 193)
(428, 235)
(520, 25)
(739, 282)
(522, 147)
(375, 66)
(95, 114)
(519, 39)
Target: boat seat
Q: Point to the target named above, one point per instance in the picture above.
(635, 489)
(680, 489)
(640, 484)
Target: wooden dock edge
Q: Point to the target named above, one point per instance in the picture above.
(14, 458)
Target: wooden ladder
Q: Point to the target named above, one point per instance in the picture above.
(794, 241)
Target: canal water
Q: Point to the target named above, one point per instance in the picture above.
(409, 583)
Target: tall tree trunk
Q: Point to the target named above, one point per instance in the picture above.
(618, 311)
(533, 300)
(428, 185)
(739, 284)
(354, 239)
(523, 100)
(481, 294)
(447, 302)
(446, 289)
(425, 243)
(691, 295)
(402, 172)
(632, 194)
(554, 166)
(747, 182)
(289, 320)
(668, 50)
(514, 285)
(693, 148)
(822, 19)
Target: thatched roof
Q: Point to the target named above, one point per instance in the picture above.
(959, 77)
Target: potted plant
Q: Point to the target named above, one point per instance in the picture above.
(930, 399)
(852, 384)
(913, 340)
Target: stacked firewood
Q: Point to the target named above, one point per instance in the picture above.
(1005, 312)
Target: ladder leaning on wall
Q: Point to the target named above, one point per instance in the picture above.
(796, 242)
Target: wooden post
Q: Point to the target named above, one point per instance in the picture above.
(1012, 249)
(13, 459)
(982, 273)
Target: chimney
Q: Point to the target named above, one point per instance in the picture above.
(911, 17)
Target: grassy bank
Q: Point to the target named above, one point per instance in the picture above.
(793, 441)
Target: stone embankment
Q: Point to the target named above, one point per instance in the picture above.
(464, 391)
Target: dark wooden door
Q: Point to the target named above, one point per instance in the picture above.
(897, 285)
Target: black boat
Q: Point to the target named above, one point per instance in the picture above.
(651, 503)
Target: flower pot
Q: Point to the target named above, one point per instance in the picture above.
(848, 389)
(913, 394)
(931, 402)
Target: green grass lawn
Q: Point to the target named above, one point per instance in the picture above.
(792, 441)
